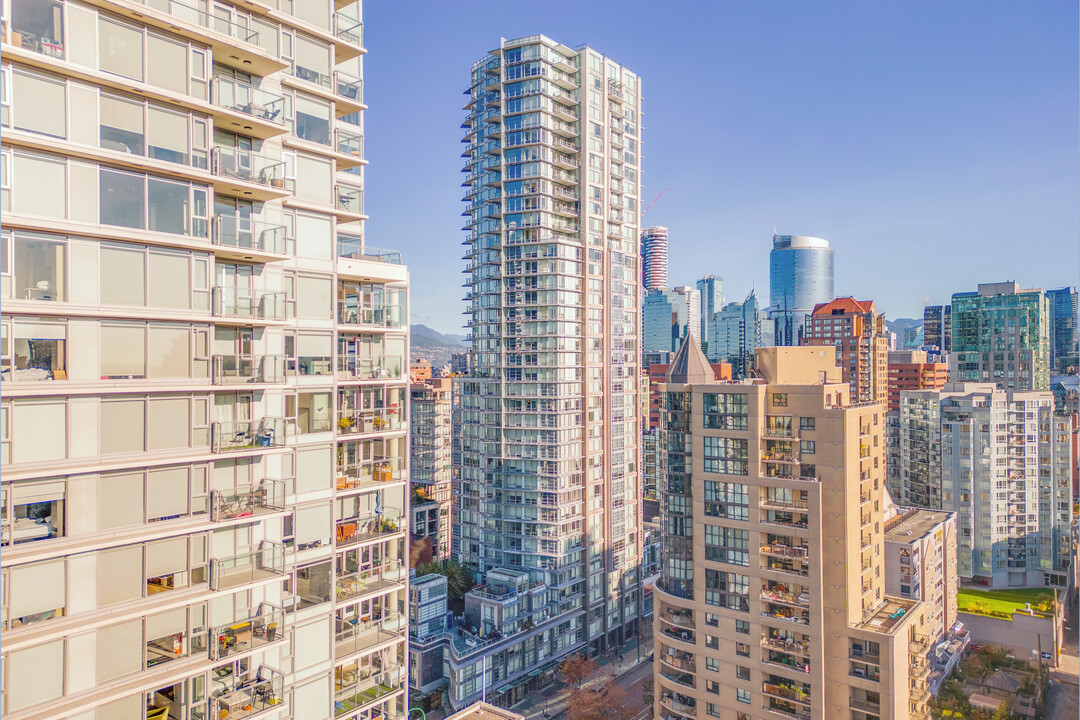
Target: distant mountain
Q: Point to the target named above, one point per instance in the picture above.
(900, 324)
(423, 336)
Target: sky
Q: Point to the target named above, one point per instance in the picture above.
(935, 145)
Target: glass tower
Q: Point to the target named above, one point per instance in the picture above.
(1064, 337)
(547, 447)
(800, 277)
(711, 291)
(204, 368)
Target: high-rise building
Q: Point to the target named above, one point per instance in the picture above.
(920, 564)
(431, 470)
(800, 277)
(912, 370)
(711, 294)
(667, 316)
(1001, 334)
(1002, 462)
(937, 327)
(771, 601)
(1064, 335)
(736, 332)
(204, 491)
(654, 257)
(857, 331)
(548, 446)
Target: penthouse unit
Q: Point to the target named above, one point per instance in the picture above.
(203, 496)
(1002, 462)
(771, 602)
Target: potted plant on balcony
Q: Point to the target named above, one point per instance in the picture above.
(345, 423)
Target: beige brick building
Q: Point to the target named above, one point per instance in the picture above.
(771, 601)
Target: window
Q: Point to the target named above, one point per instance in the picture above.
(727, 500)
(712, 619)
(40, 268)
(727, 456)
(743, 627)
(712, 642)
(42, 185)
(312, 120)
(779, 399)
(728, 590)
(712, 664)
(122, 198)
(742, 673)
(38, 25)
(120, 49)
(727, 545)
(122, 125)
(712, 709)
(807, 447)
(711, 686)
(40, 351)
(40, 104)
(742, 696)
(725, 411)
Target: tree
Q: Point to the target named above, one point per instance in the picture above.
(458, 578)
(575, 669)
(603, 701)
(1003, 712)
(647, 695)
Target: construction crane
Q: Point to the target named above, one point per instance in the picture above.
(649, 207)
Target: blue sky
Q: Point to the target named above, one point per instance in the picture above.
(934, 144)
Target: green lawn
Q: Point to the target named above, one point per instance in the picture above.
(1001, 602)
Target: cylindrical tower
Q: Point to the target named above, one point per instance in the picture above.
(801, 276)
(654, 257)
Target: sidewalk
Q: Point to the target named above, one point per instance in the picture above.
(551, 702)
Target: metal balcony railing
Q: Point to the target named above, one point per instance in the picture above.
(248, 500)
(247, 234)
(236, 436)
(234, 369)
(251, 698)
(257, 627)
(230, 302)
(266, 562)
(233, 162)
(241, 97)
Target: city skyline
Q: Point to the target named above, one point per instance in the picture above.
(961, 133)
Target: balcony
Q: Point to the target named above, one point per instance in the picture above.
(251, 698)
(265, 626)
(350, 92)
(778, 550)
(678, 703)
(242, 369)
(786, 614)
(232, 163)
(358, 634)
(778, 687)
(790, 567)
(249, 238)
(370, 474)
(236, 436)
(368, 421)
(349, 143)
(368, 580)
(267, 109)
(349, 29)
(229, 302)
(350, 201)
(378, 315)
(353, 691)
(353, 248)
(373, 527)
(247, 501)
(865, 706)
(801, 600)
(786, 644)
(262, 564)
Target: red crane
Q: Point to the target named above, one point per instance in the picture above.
(649, 207)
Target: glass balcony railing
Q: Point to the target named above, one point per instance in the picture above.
(353, 248)
(244, 98)
(266, 562)
(232, 369)
(372, 527)
(242, 435)
(349, 29)
(247, 501)
(349, 143)
(354, 691)
(386, 316)
(357, 634)
(367, 473)
(348, 86)
(312, 75)
(254, 697)
(358, 582)
(219, 20)
(350, 199)
(230, 302)
(369, 421)
(232, 162)
(257, 627)
(247, 234)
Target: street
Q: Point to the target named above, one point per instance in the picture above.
(1063, 696)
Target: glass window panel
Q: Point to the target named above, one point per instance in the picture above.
(41, 186)
(312, 120)
(123, 125)
(123, 350)
(37, 588)
(120, 498)
(42, 432)
(170, 351)
(313, 178)
(38, 25)
(166, 556)
(123, 275)
(170, 423)
(168, 206)
(128, 415)
(119, 650)
(122, 198)
(313, 298)
(119, 575)
(40, 351)
(120, 49)
(167, 493)
(312, 60)
(35, 675)
(170, 279)
(39, 268)
(40, 104)
(169, 67)
(314, 236)
(316, 12)
(168, 135)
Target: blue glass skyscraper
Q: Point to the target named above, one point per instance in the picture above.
(800, 277)
(1063, 329)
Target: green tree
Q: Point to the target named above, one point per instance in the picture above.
(458, 578)
(1003, 712)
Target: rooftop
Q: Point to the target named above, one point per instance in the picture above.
(890, 614)
(484, 711)
(844, 305)
(914, 524)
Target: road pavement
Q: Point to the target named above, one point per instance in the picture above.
(1063, 696)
